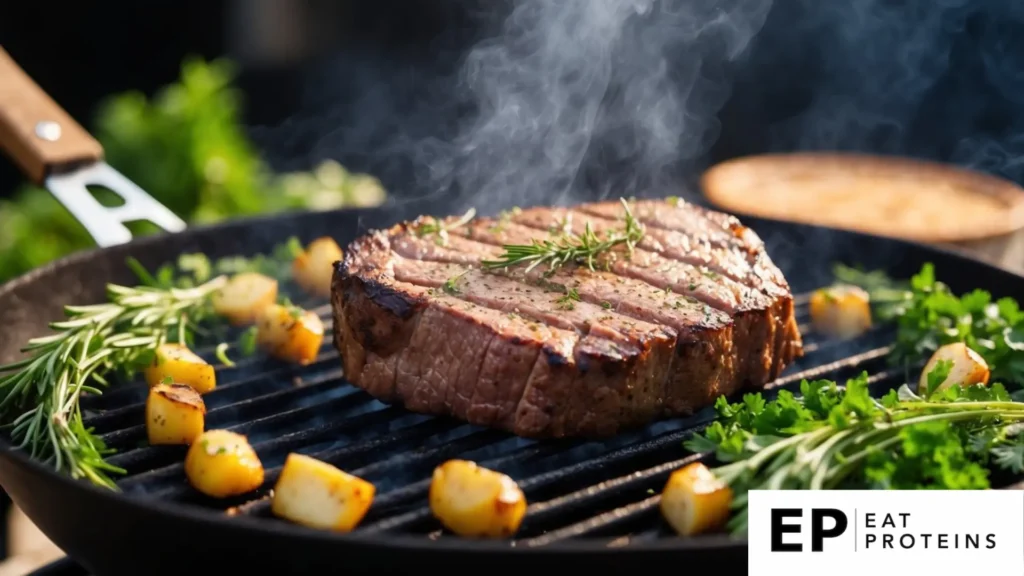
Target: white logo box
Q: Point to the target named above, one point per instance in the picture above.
(927, 532)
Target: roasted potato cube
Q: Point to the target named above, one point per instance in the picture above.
(182, 366)
(290, 333)
(968, 367)
(476, 502)
(314, 268)
(175, 414)
(221, 463)
(244, 297)
(842, 311)
(318, 495)
(695, 501)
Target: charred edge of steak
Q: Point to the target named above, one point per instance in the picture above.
(584, 390)
(528, 385)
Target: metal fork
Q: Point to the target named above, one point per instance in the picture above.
(55, 151)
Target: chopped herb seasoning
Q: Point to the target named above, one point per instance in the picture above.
(710, 274)
(568, 302)
(451, 286)
(606, 305)
(673, 200)
(504, 217)
(440, 228)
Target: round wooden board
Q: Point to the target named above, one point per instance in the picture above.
(884, 195)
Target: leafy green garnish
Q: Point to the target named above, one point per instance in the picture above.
(569, 300)
(934, 316)
(840, 437)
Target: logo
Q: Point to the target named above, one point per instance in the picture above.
(818, 531)
(795, 532)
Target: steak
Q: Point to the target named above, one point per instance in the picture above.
(696, 309)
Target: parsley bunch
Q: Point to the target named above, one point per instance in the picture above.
(927, 315)
(840, 437)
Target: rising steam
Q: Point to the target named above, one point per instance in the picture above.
(568, 99)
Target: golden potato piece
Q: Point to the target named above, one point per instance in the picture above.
(175, 414)
(182, 366)
(318, 495)
(244, 297)
(476, 502)
(290, 333)
(842, 311)
(221, 463)
(314, 268)
(695, 501)
(968, 367)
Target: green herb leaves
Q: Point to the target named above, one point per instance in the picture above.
(39, 395)
(583, 249)
(832, 437)
(934, 316)
(569, 300)
(439, 228)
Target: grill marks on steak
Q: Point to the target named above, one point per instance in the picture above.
(418, 324)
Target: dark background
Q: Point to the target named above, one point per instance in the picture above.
(963, 104)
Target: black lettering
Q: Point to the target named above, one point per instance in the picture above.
(779, 528)
(973, 540)
(818, 532)
(956, 541)
(991, 539)
(904, 515)
(888, 522)
(869, 539)
(886, 540)
(869, 520)
(903, 541)
(943, 541)
(925, 537)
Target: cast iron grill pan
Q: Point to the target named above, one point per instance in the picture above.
(592, 503)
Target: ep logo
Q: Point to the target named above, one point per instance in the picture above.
(825, 523)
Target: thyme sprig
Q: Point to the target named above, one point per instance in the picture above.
(583, 249)
(39, 394)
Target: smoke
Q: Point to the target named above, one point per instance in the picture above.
(562, 100)
(939, 79)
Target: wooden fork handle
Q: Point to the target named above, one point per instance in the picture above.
(35, 131)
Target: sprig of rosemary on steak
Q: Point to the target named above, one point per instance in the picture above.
(583, 249)
(39, 395)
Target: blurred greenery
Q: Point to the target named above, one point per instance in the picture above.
(187, 147)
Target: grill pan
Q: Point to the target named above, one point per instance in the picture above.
(593, 504)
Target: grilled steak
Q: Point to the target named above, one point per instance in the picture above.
(695, 310)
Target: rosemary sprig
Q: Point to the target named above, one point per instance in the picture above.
(440, 228)
(39, 394)
(577, 248)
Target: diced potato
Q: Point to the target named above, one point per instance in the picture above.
(290, 333)
(476, 502)
(314, 268)
(175, 414)
(244, 297)
(968, 367)
(841, 311)
(182, 366)
(695, 501)
(221, 463)
(318, 495)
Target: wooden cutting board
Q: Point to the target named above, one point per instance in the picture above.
(890, 196)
